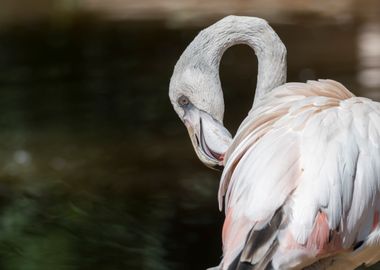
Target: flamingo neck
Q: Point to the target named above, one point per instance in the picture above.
(254, 32)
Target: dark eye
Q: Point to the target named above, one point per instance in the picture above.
(183, 101)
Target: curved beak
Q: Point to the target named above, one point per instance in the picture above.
(210, 139)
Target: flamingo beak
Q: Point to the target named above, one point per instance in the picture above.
(210, 139)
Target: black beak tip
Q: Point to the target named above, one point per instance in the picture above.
(217, 167)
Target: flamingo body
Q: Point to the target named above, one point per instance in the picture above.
(301, 178)
(311, 151)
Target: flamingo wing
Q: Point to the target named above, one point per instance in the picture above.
(302, 180)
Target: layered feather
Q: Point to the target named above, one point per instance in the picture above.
(312, 150)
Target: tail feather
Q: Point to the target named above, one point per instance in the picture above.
(260, 246)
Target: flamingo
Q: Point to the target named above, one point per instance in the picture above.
(301, 177)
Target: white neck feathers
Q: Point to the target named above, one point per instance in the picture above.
(208, 47)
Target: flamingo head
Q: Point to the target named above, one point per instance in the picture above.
(197, 98)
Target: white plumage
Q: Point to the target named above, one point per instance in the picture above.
(312, 149)
(301, 179)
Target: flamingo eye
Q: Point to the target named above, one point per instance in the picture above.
(183, 101)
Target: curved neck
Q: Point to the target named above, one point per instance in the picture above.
(212, 42)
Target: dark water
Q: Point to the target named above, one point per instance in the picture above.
(96, 171)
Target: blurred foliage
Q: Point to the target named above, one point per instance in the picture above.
(61, 232)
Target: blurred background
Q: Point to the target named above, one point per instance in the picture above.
(96, 171)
